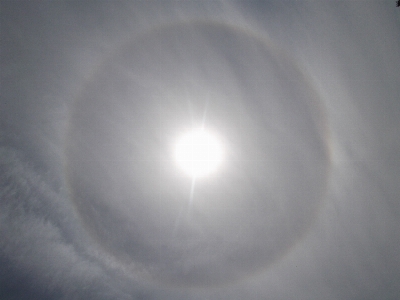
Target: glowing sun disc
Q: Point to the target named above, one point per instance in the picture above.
(198, 153)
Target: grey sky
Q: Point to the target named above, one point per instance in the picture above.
(305, 97)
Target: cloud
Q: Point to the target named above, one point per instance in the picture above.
(305, 98)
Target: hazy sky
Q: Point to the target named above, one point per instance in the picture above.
(305, 98)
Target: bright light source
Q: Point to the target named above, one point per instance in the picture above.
(198, 153)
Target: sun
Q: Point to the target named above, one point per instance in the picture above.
(198, 153)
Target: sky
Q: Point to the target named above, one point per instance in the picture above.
(304, 97)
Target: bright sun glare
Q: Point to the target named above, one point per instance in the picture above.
(198, 153)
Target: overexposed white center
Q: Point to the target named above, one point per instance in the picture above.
(198, 153)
